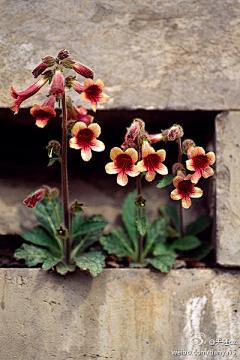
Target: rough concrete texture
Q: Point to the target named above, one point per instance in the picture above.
(150, 54)
(228, 205)
(122, 314)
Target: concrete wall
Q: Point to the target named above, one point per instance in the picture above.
(122, 315)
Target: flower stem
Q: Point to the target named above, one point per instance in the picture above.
(64, 174)
(180, 209)
(140, 237)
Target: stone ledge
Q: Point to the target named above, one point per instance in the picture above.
(122, 314)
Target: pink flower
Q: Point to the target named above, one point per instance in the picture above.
(200, 163)
(57, 87)
(23, 95)
(152, 162)
(155, 138)
(79, 113)
(71, 81)
(45, 112)
(82, 70)
(85, 138)
(93, 93)
(123, 164)
(46, 62)
(34, 198)
(135, 134)
(185, 189)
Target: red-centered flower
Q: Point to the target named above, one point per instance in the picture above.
(122, 164)
(23, 95)
(45, 112)
(152, 162)
(185, 190)
(200, 163)
(34, 198)
(93, 93)
(85, 138)
(79, 113)
(57, 87)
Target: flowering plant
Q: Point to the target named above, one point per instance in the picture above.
(63, 238)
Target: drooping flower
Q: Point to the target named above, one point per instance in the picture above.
(200, 163)
(44, 112)
(71, 81)
(185, 190)
(85, 138)
(57, 87)
(122, 164)
(78, 113)
(46, 62)
(23, 95)
(79, 68)
(93, 93)
(34, 198)
(152, 162)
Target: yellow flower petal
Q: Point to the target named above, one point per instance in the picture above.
(133, 153)
(95, 129)
(77, 127)
(115, 152)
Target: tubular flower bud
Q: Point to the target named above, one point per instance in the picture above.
(93, 93)
(185, 190)
(47, 61)
(85, 138)
(44, 112)
(79, 68)
(122, 164)
(34, 198)
(57, 87)
(23, 95)
(152, 162)
(63, 54)
(71, 81)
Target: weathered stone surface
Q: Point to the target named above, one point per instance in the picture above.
(122, 314)
(228, 204)
(154, 54)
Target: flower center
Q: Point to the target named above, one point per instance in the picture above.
(93, 92)
(151, 161)
(200, 161)
(186, 188)
(85, 137)
(124, 162)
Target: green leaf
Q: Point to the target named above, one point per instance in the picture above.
(163, 249)
(157, 231)
(81, 243)
(123, 238)
(143, 264)
(39, 236)
(188, 242)
(92, 261)
(46, 214)
(112, 245)
(33, 255)
(141, 224)
(62, 268)
(167, 180)
(196, 227)
(129, 214)
(50, 262)
(170, 212)
(78, 219)
(201, 252)
(162, 262)
(53, 160)
(90, 225)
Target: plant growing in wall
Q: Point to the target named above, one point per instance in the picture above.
(64, 238)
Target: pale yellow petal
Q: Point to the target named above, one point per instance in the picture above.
(122, 179)
(186, 203)
(140, 166)
(100, 83)
(95, 129)
(77, 127)
(133, 153)
(197, 151)
(197, 192)
(174, 195)
(110, 168)
(162, 154)
(211, 157)
(208, 172)
(115, 152)
(88, 82)
(150, 175)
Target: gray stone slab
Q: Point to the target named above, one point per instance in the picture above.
(122, 314)
(228, 198)
(150, 54)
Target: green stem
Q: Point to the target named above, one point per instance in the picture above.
(64, 174)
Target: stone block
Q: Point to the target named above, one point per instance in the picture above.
(121, 314)
(152, 55)
(228, 197)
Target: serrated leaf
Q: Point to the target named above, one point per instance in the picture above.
(39, 236)
(201, 252)
(167, 180)
(112, 245)
(141, 225)
(50, 262)
(163, 249)
(45, 214)
(188, 242)
(196, 227)
(156, 232)
(129, 214)
(92, 261)
(63, 269)
(33, 255)
(162, 262)
(170, 212)
(90, 225)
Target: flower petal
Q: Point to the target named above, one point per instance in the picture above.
(147, 149)
(110, 168)
(77, 127)
(84, 97)
(177, 180)
(88, 82)
(86, 154)
(186, 203)
(122, 179)
(197, 192)
(141, 167)
(98, 145)
(150, 175)
(207, 172)
(115, 152)
(133, 172)
(162, 154)
(73, 143)
(197, 151)
(95, 129)
(100, 83)
(175, 195)
(211, 157)
(133, 153)
(161, 169)
(189, 164)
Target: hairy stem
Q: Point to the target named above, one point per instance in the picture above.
(64, 174)
(139, 208)
(180, 204)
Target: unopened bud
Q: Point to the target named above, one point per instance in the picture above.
(63, 54)
(34, 198)
(173, 133)
(187, 146)
(54, 148)
(177, 167)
